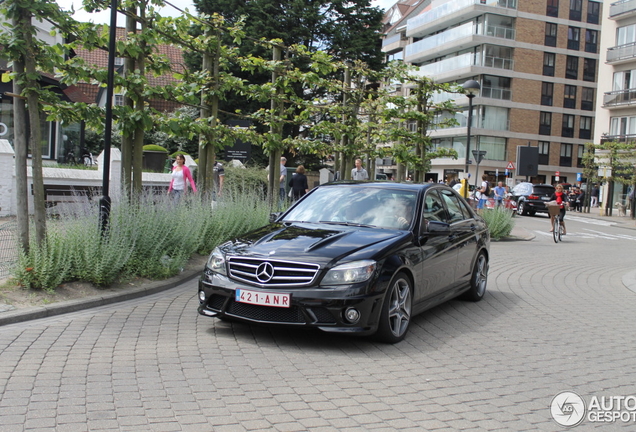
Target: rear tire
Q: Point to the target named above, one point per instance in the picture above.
(395, 317)
(521, 209)
(478, 279)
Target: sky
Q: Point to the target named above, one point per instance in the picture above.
(104, 17)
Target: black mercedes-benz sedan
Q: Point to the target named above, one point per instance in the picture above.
(352, 257)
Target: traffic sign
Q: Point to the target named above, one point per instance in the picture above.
(510, 166)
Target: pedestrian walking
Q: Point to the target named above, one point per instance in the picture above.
(283, 177)
(219, 178)
(594, 195)
(298, 183)
(484, 192)
(181, 176)
(359, 173)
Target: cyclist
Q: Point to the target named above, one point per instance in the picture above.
(562, 200)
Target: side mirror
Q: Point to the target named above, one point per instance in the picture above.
(437, 228)
(274, 216)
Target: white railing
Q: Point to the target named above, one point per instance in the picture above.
(435, 41)
(455, 6)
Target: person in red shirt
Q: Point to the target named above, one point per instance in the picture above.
(562, 200)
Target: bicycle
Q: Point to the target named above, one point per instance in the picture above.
(557, 225)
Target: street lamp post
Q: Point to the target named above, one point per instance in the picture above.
(472, 89)
(105, 201)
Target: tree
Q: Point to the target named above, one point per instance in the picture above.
(613, 162)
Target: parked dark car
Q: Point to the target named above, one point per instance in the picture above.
(531, 198)
(352, 257)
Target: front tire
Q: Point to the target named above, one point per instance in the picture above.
(478, 279)
(395, 317)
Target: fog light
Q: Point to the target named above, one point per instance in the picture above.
(201, 296)
(352, 315)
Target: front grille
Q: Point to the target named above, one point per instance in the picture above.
(266, 313)
(272, 273)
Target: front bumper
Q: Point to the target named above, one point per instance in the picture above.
(321, 308)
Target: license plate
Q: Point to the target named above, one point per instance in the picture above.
(545, 198)
(263, 298)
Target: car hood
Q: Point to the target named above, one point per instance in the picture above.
(316, 243)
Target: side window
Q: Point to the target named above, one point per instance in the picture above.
(453, 205)
(433, 208)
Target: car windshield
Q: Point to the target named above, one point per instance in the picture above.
(356, 205)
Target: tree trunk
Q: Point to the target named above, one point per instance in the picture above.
(20, 147)
(35, 141)
(127, 143)
(204, 144)
(138, 143)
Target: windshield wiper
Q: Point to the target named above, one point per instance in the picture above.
(348, 224)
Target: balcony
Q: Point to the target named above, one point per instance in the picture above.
(452, 12)
(455, 39)
(621, 53)
(628, 138)
(619, 98)
(622, 9)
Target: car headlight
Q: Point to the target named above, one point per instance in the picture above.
(216, 262)
(353, 272)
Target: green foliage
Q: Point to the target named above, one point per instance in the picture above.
(155, 147)
(245, 180)
(499, 220)
(46, 265)
(152, 238)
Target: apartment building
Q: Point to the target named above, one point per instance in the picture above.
(536, 62)
(616, 104)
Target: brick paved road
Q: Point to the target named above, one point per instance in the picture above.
(556, 318)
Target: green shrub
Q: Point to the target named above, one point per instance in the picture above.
(499, 220)
(155, 147)
(152, 238)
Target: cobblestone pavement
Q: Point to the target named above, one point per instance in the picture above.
(557, 317)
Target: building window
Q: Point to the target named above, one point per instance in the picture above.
(566, 155)
(569, 96)
(119, 61)
(572, 67)
(118, 99)
(495, 147)
(579, 156)
(626, 35)
(551, 34)
(576, 6)
(585, 128)
(589, 69)
(591, 41)
(544, 153)
(496, 87)
(545, 123)
(567, 129)
(587, 99)
(593, 12)
(553, 8)
(547, 91)
(548, 64)
(574, 38)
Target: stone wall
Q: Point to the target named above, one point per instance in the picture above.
(69, 177)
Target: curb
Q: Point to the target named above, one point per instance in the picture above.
(36, 312)
(629, 280)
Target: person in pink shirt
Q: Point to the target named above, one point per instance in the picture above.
(181, 175)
